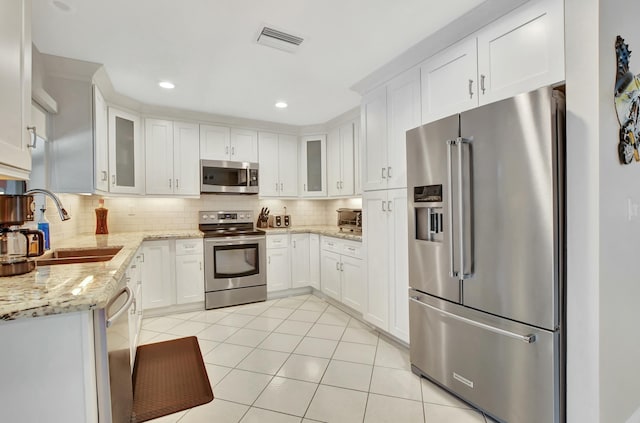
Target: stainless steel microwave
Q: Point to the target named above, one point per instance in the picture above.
(225, 177)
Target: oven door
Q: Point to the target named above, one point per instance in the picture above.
(234, 262)
(218, 176)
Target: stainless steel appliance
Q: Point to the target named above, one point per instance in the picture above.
(234, 258)
(486, 253)
(226, 177)
(350, 219)
(113, 357)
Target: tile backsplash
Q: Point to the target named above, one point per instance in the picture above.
(129, 214)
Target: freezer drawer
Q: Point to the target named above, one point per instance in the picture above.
(508, 369)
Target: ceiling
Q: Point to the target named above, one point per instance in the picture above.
(208, 49)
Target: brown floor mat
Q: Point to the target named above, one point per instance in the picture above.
(168, 377)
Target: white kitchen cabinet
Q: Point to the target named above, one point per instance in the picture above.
(313, 166)
(386, 303)
(386, 114)
(300, 261)
(222, 143)
(340, 161)
(450, 81)
(100, 140)
(15, 86)
(126, 153)
(519, 52)
(158, 283)
(278, 262)
(189, 270)
(314, 261)
(172, 157)
(341, 271)
(522, 51)
(278, 165)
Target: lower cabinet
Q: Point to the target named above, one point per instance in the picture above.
(278, 262)
(314, 260)
(300, 261)
(173, 272)
(134, 282)
(341, 271)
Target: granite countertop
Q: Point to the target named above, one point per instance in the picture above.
(327, 230)
(65, 288)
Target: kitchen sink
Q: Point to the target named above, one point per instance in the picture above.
(78, 255)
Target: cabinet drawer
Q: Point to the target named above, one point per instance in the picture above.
(351, 249)
(332, 244)
(188, 246)
(278, 241)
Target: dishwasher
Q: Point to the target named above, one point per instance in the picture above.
(113, 357)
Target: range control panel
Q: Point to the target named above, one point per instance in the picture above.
(223, 216)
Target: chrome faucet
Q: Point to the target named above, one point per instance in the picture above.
(63, 213)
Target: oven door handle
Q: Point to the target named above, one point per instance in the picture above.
(237, 241)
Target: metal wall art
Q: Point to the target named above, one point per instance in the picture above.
(627, 100)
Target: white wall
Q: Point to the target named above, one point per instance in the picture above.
(603, 243)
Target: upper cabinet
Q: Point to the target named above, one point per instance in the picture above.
(519, 52)
(313, 166)
(101, 141)
(222, 143)
(126, 153)
(172, 157)
(278, 165)
(15, 86)
(386, 114)
(340, 156)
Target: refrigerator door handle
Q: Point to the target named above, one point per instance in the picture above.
(450, 144)
(527, 339)
(460, 142)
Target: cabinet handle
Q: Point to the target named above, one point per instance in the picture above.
(305, 186)
(337, 184)
(104, 176)
(341, 184)
(482, 83)
(200, 266)
(269, 260)
(134, 307)
(169, 183)
(226, 150)
(388, 205)
(233, 151)
(281, 186)
(337, 266)
(32, 132)
(383, 175)
(294, 244)
(276, 186)
(342, 267)
(177, 183)
(471, 88)
(351, 249)
(389, 172)
(113, 179)
(383, 209)
(142, 258)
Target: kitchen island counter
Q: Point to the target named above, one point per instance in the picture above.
(64, 288)
(326, 230)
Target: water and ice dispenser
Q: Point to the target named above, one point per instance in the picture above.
(429, 217)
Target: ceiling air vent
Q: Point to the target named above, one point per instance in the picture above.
(278, 39)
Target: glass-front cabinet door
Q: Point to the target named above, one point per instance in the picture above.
(313, 170)
(125, 153)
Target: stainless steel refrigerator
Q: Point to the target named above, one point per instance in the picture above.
(486, 254)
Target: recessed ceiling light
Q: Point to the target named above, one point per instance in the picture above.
(166, 84)
(281, 105)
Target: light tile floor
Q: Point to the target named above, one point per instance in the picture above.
(300, 359)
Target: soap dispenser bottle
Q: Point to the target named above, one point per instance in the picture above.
(101, 218)
(43, 225)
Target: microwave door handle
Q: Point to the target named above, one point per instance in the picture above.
(450, 144)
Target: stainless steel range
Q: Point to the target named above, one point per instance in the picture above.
(234, 258)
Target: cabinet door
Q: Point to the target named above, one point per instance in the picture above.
(373, 125)
(189, 279)
(449, 81)
(313, 166)
(300, 262)
(397, 236)
(278, 269)
(347, 157)
(522, 51)
(159, 156)
(126, 160)
(158, 286)
(100, 140)
(288, 165)
(334, 162)
(244, 145)
(352, 282)
(214, 142)
(186, 156)
(330, 274)
(15, 84)
(374, 236)
(269, 180)
(403, 113)
(314, 261)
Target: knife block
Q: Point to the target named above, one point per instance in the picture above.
(262, 224)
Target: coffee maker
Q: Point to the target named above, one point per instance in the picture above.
(19, 245)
